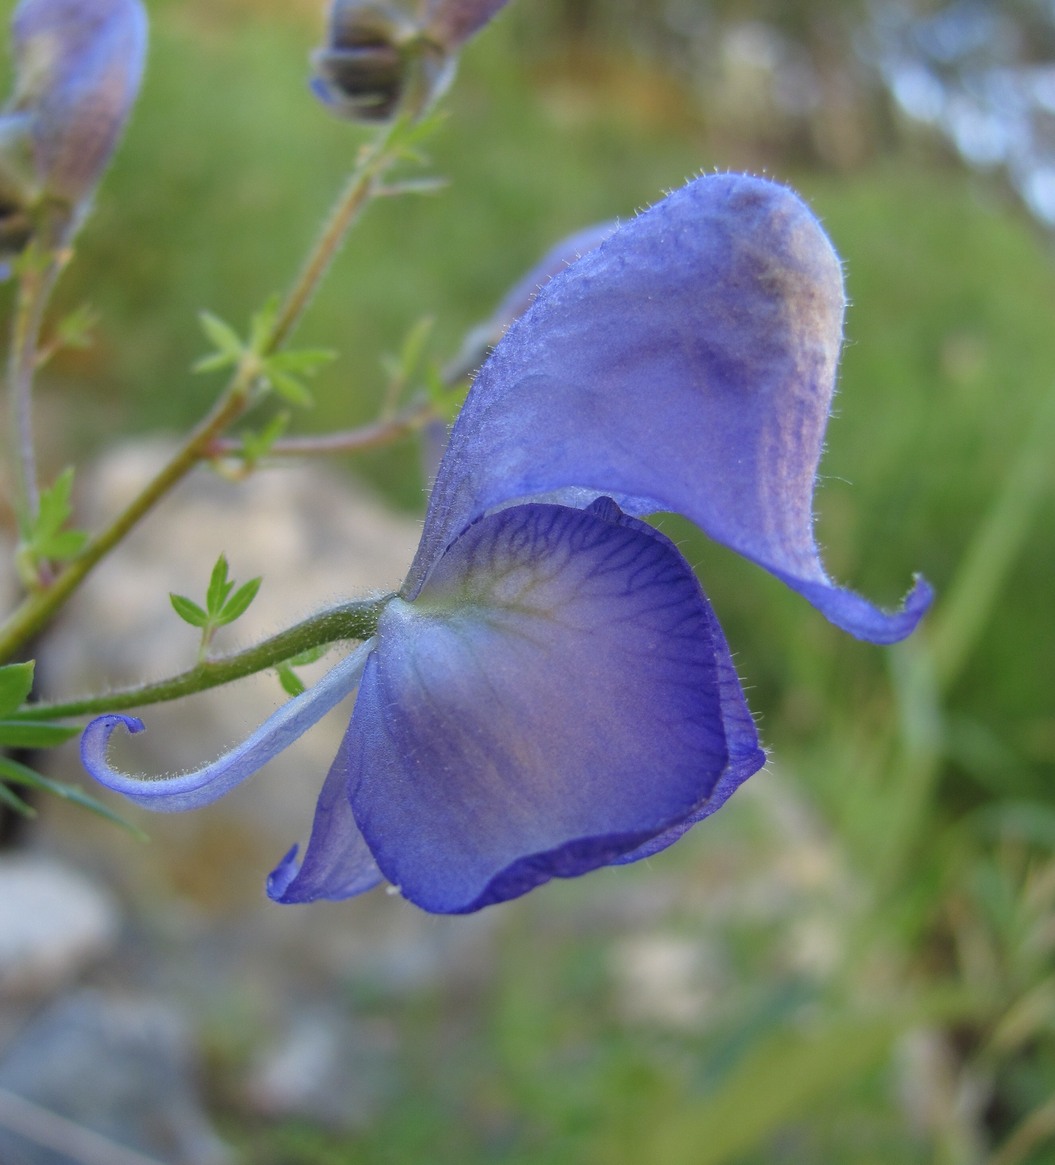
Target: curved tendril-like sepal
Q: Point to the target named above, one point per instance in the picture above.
(202, 786)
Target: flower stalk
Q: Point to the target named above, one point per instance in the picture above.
(355, 620)
(374, 435)
(38, 274)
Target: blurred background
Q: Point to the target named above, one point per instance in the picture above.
(853, 961)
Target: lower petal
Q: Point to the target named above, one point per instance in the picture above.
(557, 696)
(337, 863)
(744, 757)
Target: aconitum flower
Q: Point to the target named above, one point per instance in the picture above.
(550, 691)
(78, 67)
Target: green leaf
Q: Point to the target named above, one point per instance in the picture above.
(61, 547)
(257, 445)
(436, 388)
(46, 538)
(34, 733)
(219, 587)
(434, 185)
(288, 387)
(55, 507)
(782, 1076)
(35, 258)
(221, 605)
(188, 611)
(291, 683)
(227, 344)
(306, 361)
(75, 329)
(402, 369)
(16, 682)
(406, 137)
(20, 774)
(212, 363)
(14, 802)
(413, 349)
(239, 602)
(224, 337)
(1032, 822)
(262, 325)
(309, 655)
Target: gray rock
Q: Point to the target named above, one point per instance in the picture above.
(325, 1066)
(94, 1069)
(54, 922)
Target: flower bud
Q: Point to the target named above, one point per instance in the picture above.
(450, 22)
(78, 65)
(377, 62)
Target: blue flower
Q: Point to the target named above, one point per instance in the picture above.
(78, 66)
(550, 691)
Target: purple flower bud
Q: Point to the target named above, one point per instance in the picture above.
(381, 59)
(78, 65)
(377, 62)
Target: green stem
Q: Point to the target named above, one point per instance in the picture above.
(37, 277)
(352, 620)
(377, 433)
(39, 607)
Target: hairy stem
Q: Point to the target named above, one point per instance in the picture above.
(37, 278)
(352, 620)
(383, 432)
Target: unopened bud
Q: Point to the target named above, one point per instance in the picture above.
(377, 62)
(78, 65)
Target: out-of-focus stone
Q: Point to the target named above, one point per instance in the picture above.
(118, 1067)
(54, 922)
(667, 979)
(325, 1066)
